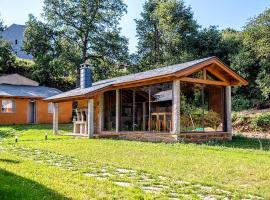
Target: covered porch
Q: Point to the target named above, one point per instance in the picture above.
(193, 105)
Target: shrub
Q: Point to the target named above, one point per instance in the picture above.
(240, 103)
(235, 116)
(261, 121)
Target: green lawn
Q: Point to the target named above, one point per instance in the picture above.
(67, 167)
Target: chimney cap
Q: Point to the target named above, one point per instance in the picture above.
(84, 65)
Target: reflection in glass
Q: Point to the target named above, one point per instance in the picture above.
(202, 108)
(161, 107)
(147, 108)
(191, 107)
(109, 110)
(213, 108)
(126, 98)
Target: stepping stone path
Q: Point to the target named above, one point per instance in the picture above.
(159, 186)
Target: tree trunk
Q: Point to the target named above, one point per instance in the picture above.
(84, 57)
(78, 77)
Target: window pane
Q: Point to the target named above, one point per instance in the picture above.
(213, 108)
(126, 98)
(110, 111)
(161, 107)
(7, 105)
(50, 107)
(191, 107)
(141, 108)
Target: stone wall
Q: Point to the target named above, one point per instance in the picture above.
(167, 137)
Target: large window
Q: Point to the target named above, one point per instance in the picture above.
(8, 106)
(161, 107)
(146, 108)
(214, 98)
(149, 108)
(191, 107)
(110, 111)
(141, 109)
(127, 115)
(202, 108)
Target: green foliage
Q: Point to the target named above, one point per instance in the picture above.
(240, 103)
(9, 63)
(165, 32)
(2, 26)
(74, 33)
(6, 55)
(168, 34)
(257, 37)
(253, 60)
(251, 121)
(261, 121)
(36, 160)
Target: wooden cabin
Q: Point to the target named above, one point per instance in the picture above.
(21, 102)
(189, 101)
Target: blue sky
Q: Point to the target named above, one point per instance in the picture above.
(224, 13)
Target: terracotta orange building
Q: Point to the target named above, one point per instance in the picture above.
(21, 102)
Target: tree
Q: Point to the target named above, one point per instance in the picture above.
(2, 26)
(257, 40)
(6, 56)
(91, 28)
(166, 32)
(51, 60)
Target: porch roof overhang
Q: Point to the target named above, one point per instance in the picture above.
(179, 71)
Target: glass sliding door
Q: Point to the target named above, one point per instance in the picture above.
(147, 108)
(109, 111)
(214, 108)
(161, 107)
(201, 107)
(127, 107)
(141, 109)
(191, 107)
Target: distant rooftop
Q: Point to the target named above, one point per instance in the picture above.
(15, 85)
(16, 79)
(27, 91)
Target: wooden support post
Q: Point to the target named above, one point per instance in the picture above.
(90, 118)
(55, 118)
(176, 107)
(117, 117)
(149, 109)
(133, 109)
(144, 116)
(101, 112)
(204, 74)
(228, 109)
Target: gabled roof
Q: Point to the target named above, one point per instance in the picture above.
(16, 79)
(24, 91)
(159, 73)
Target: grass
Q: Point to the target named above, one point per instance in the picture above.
(59, 167)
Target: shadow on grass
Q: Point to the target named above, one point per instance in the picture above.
(7, 131)
(13, 186)
(9, 161)
(244, 143)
